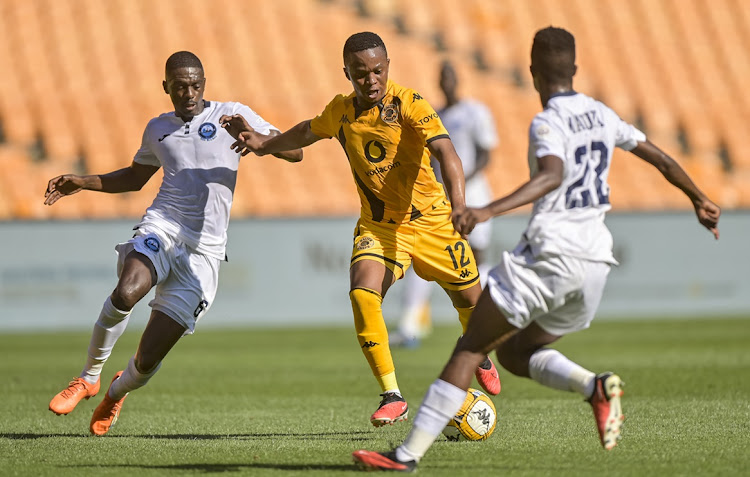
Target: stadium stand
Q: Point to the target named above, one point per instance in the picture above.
(80, 80)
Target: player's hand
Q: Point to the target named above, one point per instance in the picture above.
(708, 215)
(60, 186)
(235, 124)
(465, 221)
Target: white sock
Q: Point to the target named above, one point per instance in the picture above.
(440, 405)
(416, 295)
(107, 330)
(130, 380)
(551, 368)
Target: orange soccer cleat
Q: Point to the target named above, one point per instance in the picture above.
(487, 377)
(67, 399)
(607, 408)
(392, 409)
(106, 413)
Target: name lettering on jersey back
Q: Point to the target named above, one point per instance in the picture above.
(586, 121)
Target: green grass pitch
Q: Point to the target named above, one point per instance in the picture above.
(284, 402)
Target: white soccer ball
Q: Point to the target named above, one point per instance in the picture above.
(475, 420)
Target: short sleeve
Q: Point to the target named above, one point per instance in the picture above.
(628, 136)
(484, 133)
(545, 139)
(324, 124)
(144, 155)
(420, 115)
(256, 122)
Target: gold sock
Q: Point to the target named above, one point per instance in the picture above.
(463, 316)
(373, 335)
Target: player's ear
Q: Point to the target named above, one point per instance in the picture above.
(346, 73)
(575, 69)
(164, 85)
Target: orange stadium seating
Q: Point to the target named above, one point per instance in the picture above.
(81, 79)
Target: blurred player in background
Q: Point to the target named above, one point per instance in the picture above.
(179, 243)
(551, 284)
(388, 132)
(473, 133)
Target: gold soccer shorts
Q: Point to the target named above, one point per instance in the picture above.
(430, 242)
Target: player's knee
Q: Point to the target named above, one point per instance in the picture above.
(128, 292)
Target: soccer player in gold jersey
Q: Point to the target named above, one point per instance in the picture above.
(388, 133)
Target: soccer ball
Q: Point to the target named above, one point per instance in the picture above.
(475, 420)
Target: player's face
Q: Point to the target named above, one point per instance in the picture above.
(185, 88)
(368, 72)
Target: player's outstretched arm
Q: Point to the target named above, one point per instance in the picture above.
(708, 213)
(127, 179)
(547, 178)
(249, 140)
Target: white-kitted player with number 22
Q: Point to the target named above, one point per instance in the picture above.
(550, 285)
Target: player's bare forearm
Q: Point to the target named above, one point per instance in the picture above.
(283, 145)
(294, 155)
(548, 177)
(669, 168)
(127, 179)
(297, 137)
(452, 171)
(707, 212)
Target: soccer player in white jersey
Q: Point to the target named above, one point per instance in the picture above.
(474, 135)
(551, 284)
(178, 244)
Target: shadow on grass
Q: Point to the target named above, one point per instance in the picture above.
(210, 468)
(303, 436)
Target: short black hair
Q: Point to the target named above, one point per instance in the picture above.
(363, 41)
(183, 59)
(553, 54)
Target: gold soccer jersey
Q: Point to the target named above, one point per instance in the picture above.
(386, 148)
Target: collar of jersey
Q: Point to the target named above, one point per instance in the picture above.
(358, 112)
(206, 106)
(563, 93)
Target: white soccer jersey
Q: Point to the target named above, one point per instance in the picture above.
(200, 172)
(470, 125)
(583, 133)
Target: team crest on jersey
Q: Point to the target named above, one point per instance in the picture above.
(389, 114)
(207, 131)
(364, 243)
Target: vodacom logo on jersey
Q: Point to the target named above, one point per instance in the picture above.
(375, 153)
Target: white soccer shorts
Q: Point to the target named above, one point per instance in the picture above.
(186, 281)
(560, 293)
